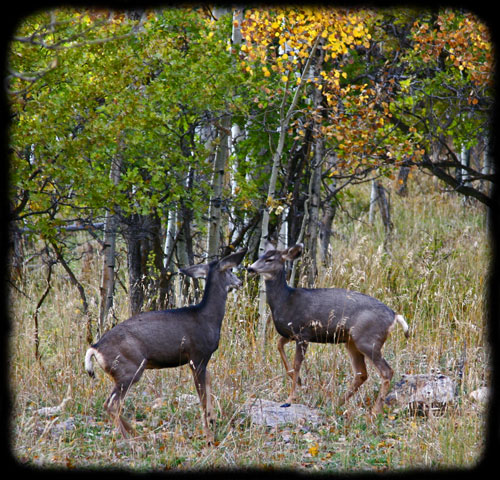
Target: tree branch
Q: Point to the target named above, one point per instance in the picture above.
(457, 186)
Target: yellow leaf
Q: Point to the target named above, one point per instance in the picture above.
(314, 450)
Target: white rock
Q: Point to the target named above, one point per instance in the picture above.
(51, 411)
(422, 391)
(267, 412)
(481, 395)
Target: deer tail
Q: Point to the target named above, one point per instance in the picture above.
(400, 319)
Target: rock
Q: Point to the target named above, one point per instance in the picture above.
(267, 412)
(51, 411)
(481, 395)
(423, 393)
(59, 428)
(184, 400)
(188, 399)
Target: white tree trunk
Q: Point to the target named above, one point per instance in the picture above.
(107, 287)
(215, 210)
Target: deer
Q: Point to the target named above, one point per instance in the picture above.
(168, 339)
(326, 315)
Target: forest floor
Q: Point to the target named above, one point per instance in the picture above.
(434, 272)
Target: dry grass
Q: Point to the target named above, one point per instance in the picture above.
(435, 274)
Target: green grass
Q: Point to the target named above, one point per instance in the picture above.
(434, 273)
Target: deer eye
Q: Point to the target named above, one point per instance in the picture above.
(269, 260)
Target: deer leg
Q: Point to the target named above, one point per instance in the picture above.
(202, 383)
(124, 379)
(289, 371)
(386, 374)
(300, 353)
(359, 370)
(210, 408)
(113, 406)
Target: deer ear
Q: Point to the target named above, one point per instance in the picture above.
(268, 246)
(293, 252)
(196, 271)
(232, 260)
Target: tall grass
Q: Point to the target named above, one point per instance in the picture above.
(434, 273)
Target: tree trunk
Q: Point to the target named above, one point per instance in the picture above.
(158, 279)
(107, 288)
(325, 226)
(312, 227)
(373, 202)
(316, 169)
(325, 229)
(132, 234)
(168, 255)
(385, 209)
(465, 158)
(222, 155)
(295, 177)
(145, 260)
(215, 209)
(486, 168)
(403, 173)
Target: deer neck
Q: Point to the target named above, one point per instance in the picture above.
(214, 300)
(277, 290)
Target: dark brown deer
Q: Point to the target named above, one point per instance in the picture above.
(168, 338)
(326, 315)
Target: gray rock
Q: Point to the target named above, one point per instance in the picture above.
(62, 427)
(422, 392)
(267, 412)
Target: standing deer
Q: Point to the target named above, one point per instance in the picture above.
(326, 315)
(168, 338)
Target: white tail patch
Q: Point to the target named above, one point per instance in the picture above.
(89, 367)
(400, 319)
